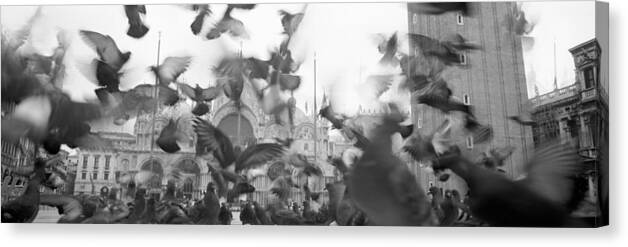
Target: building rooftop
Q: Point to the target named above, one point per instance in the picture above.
(556, 95)
(584, 44)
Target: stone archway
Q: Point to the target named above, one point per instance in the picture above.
(154, 166)
(188, 176)
(188, 166)
(188, 187)
(224, 116)
(242, 137)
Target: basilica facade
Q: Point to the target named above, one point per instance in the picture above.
(132, 152)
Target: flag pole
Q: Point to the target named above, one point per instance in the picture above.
(239, 113)
(155, 96)
(314, 116)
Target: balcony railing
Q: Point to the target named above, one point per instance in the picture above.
(589, 94)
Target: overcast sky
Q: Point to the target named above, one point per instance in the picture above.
(566, 23)
(339, 35)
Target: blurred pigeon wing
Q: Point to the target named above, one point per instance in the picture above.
(187, 90)
(551, 170)
(258, 154)
(211, 93)
(172, 67)
(211, 139)
(105, 46)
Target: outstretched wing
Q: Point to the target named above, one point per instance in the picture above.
(211, 139)
(258, 154)
(105, 46)
(187, 90)
(211, 93)
(551, 172)
(172, 67)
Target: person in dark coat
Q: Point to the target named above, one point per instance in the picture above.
(225, 215)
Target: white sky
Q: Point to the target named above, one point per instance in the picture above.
(339, 33)
(568, 23)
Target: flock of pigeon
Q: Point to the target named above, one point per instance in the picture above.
(376, 187)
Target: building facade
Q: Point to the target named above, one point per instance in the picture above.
(14, 155)
(131, 153)
(491, 79)
(578, 116)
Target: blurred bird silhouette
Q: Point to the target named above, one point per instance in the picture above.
(540, 196)
(203, 12)
(24, 209)
(290, 22)
(390, 51)
(170, 69)
(494, 158)
(53, 119)
(229, 24)
(106, 48)
(427, 147)
(122, 106)
(68, 206)
(447, 50)
(213, 141)
(137, 28)
(172, 137)
(517, 22)
(464, 8)
(200, 96)
(383, 187)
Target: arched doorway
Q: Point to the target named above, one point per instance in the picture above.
(154, 183)
(188, 188)
(229, 126)
(189, 175)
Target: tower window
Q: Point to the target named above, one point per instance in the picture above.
(419, 122)
(589, 78)
(463, 59)
(470, 142)
(459, 19)
(466, 99)
(415, 18)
